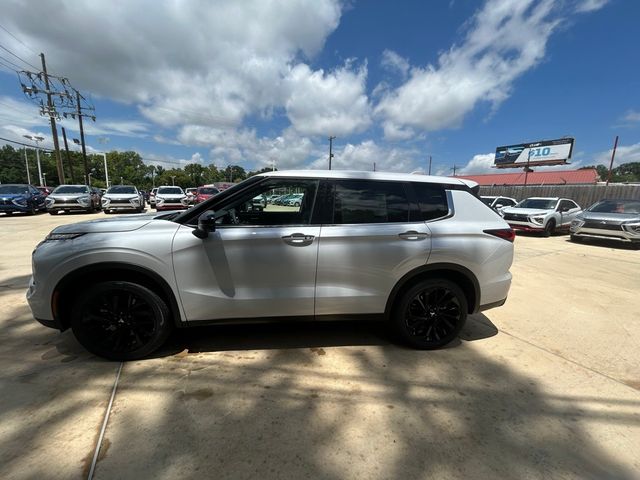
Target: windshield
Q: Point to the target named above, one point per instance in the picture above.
(208, 191)
(170, 191)
(13, 189)
(122, 189)
(71, 189)
(616, 206)
(541, 203)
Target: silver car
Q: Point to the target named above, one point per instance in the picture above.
(609, 220)
(122, 197)
(71, 198)
(420, 252)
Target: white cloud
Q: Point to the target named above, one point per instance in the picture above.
(362, 157)
(624, 154)
(328, 103)
(395, 63)
(632, 116)
(479, 164)
(585, 6)
(506, 38)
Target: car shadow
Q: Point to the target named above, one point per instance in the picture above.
(604, 243)
(290, 334)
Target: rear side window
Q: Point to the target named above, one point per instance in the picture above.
(363, 201)
(432, 200)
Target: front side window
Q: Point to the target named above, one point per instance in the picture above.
(253, 207)
(364, 201)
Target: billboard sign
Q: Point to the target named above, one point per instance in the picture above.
(545, 152)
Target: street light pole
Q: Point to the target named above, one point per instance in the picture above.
(331, 138)
(26, 164)
(173, 180)
(89, 178)
(45, 179)
(106, 170)
(37, 139)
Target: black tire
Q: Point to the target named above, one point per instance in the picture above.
(430, 314)
(32, 210)
(575, 239)
(549, 228)
(120, 320)
(53, 212)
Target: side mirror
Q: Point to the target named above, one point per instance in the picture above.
(499, 205)
(206, 224)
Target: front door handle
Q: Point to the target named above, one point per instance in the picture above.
(413, 235)
(298, 239)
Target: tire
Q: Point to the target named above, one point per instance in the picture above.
(549, 228)
(53, 212)
(32, 210)
(430, 314)
(575, 239)
(120, 320)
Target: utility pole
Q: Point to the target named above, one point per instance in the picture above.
(66, 149)
(613, 155)
(84, 149)
(52, 118)
(374, 166)
(331, 138)
(430, 165)
(454, 169)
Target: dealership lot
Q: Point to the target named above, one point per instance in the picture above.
(546, 386)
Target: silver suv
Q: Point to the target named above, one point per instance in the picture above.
(420, 252)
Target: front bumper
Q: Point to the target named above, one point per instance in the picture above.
(14, 208)
(56, 207)
(525, 226)
(605, 234)
(40, 307)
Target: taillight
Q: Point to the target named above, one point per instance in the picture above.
(508, 234)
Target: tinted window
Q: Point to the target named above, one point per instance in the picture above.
(13, 189)
(616, 206)
(432, 200)
(541, 203)
(122, 189)
(370, 202)
(170, 191)
(208, 191)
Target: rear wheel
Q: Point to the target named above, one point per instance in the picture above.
(430, 314)
(549, 228)
(120, 320)
(53, 212)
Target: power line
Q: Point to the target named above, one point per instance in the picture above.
(19, 58)
(18, 40)
(7, 67)
(9, 61)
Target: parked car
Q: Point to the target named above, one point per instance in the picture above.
(419, 252)
(122, 197)
(170, 198)
(21, 197)
(205, 193)
(282, 200)
(68, 198)
(294, 200)
(45, 190)
(191, 194)
(609, 220)
(498, 203)
(542, 214)
(152, 197)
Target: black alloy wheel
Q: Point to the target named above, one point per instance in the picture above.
(550, 228)
(120, 320)
(431, 313)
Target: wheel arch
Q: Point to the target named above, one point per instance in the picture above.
(63, 293)
(461, 276)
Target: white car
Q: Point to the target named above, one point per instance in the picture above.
(122, 197)
(171, 198)
(416, 251)
(498, 203)
(546, 215)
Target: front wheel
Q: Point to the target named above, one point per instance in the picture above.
(549, 228)
(430, 314)
(120, 320)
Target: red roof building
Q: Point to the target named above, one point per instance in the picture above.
(587, 176)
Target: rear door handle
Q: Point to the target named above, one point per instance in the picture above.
(413, 235)
(298, 239)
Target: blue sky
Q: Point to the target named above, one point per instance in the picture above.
(261, 82)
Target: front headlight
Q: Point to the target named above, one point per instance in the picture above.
(159, 200)
(539, 219)
(105, 201)
(62, 236)
(577, 222)
(84, 201)
(50, 201)
(135, 201)
(21, 202)
(185, 201)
